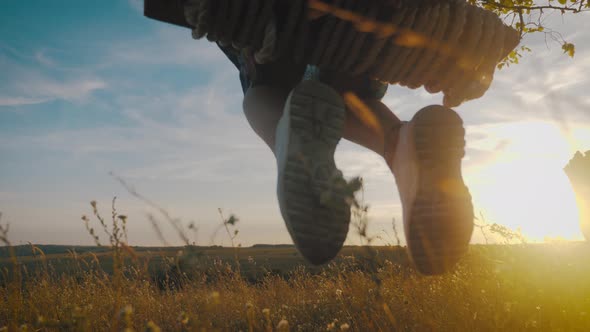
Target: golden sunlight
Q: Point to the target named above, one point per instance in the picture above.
(524, 185)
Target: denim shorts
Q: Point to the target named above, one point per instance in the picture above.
(286, 74)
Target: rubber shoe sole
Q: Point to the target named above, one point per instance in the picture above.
(310, 189)
(439, 224)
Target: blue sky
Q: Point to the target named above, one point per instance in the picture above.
(92, 87)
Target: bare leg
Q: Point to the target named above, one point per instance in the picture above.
(263, 107)
(369, 122)
(360, 129)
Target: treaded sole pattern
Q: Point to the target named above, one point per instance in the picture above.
(311, 189)
(441, 219)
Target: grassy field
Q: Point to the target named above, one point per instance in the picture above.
(516, 287)
(495, 288)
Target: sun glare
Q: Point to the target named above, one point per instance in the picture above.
(524, 185)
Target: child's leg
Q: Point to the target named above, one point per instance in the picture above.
(437, 209)
(424, 155)
(302, 123)
(264, 100)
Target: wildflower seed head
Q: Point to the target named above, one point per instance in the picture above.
(126, 311)
(183, 318)
(344, 327)
(283, 325)
(215, 297)
(152, 327)
(125, 314)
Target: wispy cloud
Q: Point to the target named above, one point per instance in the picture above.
(167, 45)
(197, 133)
(21, 101)
(31, 84)
(42, 57)
(74, 90)
(189, 143)
(41, 90)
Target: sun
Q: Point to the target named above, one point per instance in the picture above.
(523, 186)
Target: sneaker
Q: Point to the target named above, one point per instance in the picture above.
(311, 190)
(437, 209)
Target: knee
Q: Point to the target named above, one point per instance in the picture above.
(263, 99)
